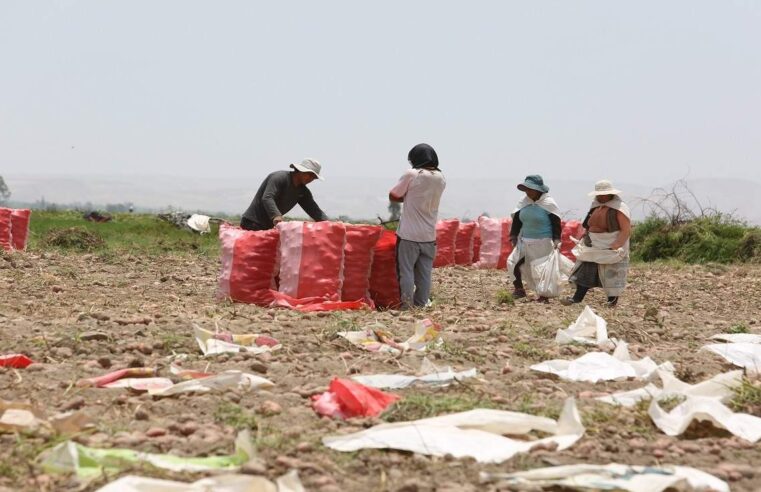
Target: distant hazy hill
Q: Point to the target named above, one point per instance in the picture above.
(359, 197)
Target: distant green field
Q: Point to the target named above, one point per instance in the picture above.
(126, 233)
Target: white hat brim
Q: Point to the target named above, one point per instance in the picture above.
(606, 192)
(301, 168)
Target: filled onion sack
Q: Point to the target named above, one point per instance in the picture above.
(311, 259)
(571, 229)
(464, 243)
(358, 259)
(20, 227)
(384, 283)
(495, 242)
(249, 263)
(5, 229)
(446, 235)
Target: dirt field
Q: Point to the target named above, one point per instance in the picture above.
(52, 304)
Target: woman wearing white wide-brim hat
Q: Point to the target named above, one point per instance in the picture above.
(602, 257)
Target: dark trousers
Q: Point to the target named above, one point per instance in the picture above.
(250, 225)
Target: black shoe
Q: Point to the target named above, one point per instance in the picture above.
(519, 293)
(567, 301)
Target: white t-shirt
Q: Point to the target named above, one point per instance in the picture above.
(421, 190)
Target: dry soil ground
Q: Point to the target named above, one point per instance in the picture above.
(51, 304)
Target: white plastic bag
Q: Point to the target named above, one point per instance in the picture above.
(546, 273)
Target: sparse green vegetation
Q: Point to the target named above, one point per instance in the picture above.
(235, 416)
(504, 296)
(747, 397)
(738, 328)
(528, 351)
(423, 405)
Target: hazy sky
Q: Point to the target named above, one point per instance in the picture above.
(636, 91)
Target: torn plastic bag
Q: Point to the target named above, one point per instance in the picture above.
(311, 259)
(347, 399)
(446, 237)
(199, 223)
(224, 342)
(377, 338)
(111, 377)
(358, 260)
(464, 243)
(88, 463)
(249, 263)
(478, 434)
(588, 329)
(747, 355)
(17, 361)
(397, 381)
(600, 366)
(720, 387)
(222, 483)
(613, 476)
(231, 379)
(384, 284)
(702, 408)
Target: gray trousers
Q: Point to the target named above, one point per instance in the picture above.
(414, 263)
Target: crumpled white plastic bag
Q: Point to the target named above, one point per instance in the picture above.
(747, 355)
(222, 381)
(477, 434)
(600, 366)
(199, 223)
(547, 275)
(719, 387)
(613, 476)
(429, 375)
(223, 483)
(703, 408)
(588, 329)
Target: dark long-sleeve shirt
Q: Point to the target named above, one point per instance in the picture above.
(277, 195)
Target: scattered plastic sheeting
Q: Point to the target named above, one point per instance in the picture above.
(223, 483)
(141, 384)
(613, 476)
(600, 366)
(738, 337)
(702, 408)
(398, 381)
(719, 387)
(347, 399)
(219, 343)
(87, 463)
(747, 355)
(477, 434)
(222, 381)
(17, 361)
(588, 329)
(377, 338)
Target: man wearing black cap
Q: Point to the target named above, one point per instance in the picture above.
(279, 193)
(420, 190)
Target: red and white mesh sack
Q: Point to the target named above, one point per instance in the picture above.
(5, 229)
(20, 227)
(249, 263)
(495, 242)
(358, 259)
(311, 259)
(464, 243)
(384, 284)
(476, 243)
(571, 229)
(446, 235)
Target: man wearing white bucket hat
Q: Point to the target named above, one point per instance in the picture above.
(279, 193)
(602, 256)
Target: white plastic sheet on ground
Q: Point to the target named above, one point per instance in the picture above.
(478, 434)
(224, 483)
(222, 381)
(210, 345)
(588, 329)
(141, 384)
(702, 408)
(613, 476)
(719, 387)
(738, 337)
(377, 338)
(430, 376)
(747, 355)
(600, 366)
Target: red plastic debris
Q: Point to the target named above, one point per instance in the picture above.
(17, 361)
(346, 399)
